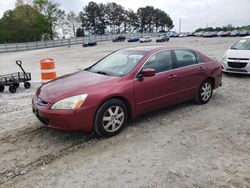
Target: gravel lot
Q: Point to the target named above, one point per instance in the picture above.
(187, 145)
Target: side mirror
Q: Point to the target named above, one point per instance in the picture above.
(147, 73)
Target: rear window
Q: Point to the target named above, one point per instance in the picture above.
(185, 58)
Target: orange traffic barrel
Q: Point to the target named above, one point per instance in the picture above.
(48, 71)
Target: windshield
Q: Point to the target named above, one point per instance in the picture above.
(119, 63)
(243, 44)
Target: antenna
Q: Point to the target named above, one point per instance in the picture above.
(180, 26)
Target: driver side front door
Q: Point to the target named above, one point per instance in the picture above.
(162, 88)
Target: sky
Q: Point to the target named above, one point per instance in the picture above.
(193, 13)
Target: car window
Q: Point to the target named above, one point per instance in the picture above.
(161, 61)
(185, 58)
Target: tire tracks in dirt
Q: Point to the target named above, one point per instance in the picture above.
(14, 144)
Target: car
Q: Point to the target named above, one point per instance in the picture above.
(226, 34)
(199, 34)
(237, 57)
(243, 33)
(175, 35)
(124, 85)
(185, 34)
(212, 34)
(134, 39)
(219, 34)
(206, 34)
(89, 43)
(119, 39)
(145, 39)
(234, 33)
(162, 38)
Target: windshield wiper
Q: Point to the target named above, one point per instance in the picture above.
(234, 48)
(101, 72)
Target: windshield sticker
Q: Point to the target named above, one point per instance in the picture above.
(242, 41)
(135, 56)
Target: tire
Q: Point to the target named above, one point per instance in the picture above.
(114, 122)
(1, 88)
(12, 89)
(26, 85)
(205, 92)
(16, 85)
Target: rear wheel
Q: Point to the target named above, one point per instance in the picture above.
(205, 92)
(12, 89)
(1, 88)
(26, 85)
(110, 118)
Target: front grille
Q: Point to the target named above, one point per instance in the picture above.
(239, 59)
(236, 65)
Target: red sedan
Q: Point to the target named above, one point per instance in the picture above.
(126, 84)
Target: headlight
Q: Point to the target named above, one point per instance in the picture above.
(74, 102)
(224, 58)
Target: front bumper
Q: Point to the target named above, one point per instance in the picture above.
(68, 120)
(228, 69)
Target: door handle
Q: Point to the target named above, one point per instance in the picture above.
(172, 76)
(201, 68)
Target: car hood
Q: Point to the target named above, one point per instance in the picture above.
(238, 53)
(71, 85)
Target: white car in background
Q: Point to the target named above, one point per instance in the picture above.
(237, 58)
(146, 39)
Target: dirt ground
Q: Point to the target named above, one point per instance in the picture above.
(187, 145)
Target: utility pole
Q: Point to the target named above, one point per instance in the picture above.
(180, 26)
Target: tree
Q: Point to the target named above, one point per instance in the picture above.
(93, 18)
(22, 24)
(62, 22)
(73, 21)
(52, 13)
(115, 16)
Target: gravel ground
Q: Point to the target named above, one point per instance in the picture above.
(187, 145)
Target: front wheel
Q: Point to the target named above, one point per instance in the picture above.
(12, 89)
(205, 92)
(110, 118)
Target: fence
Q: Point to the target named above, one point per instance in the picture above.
(14, 47)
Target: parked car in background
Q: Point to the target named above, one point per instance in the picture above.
(89, 43)
(243, 33)
(237, 58)
(119, 39)
(205, 34)
(212, 34)
(123, 85)
(199, 34)
(226, 34)
(234, 33)
(219, 34)
(134, 39)
(163, 38)
(145, 39)
(175, 35)
(183, 35)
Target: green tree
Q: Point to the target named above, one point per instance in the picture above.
(22, 24)
(51, 11)
(73, 21)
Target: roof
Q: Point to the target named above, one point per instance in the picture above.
(154, 48)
